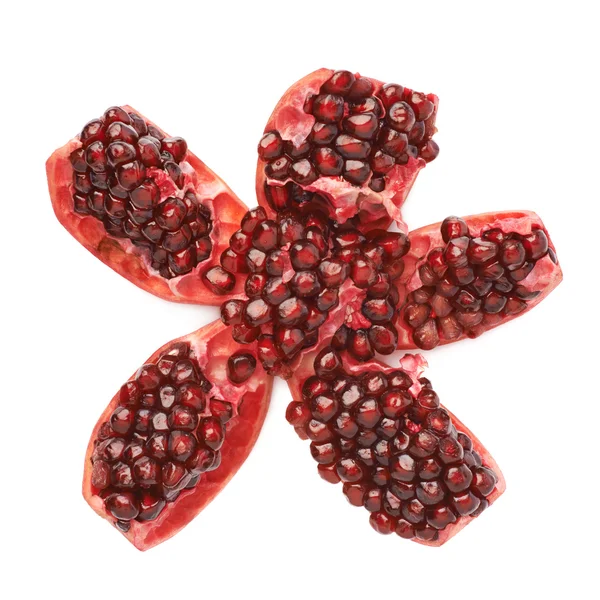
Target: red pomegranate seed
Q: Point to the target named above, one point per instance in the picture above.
(328, 108)
(240, 367)
(401, 117)
(218, 280)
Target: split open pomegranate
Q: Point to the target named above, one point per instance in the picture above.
(466, 276)
(301, 271)
(355, 143)
(312, 288)
(143, 204)
(398, 452)
(175, 434)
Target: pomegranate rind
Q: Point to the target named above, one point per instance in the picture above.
(212, 346)
(544, 277)
(346, 200)
(414, 365)
(133, 262)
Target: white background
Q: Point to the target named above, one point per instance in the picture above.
(518, 121)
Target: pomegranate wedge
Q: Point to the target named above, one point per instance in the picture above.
(142, 203)
(302, 273)
(350, 143)
(175, 434)
(465, 276)
(383, 433)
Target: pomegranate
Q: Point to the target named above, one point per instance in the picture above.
(465, 276)
(175, 434)
(398, 452)
(312, 286)
(142, 203)
(353, 143)
(301, 272)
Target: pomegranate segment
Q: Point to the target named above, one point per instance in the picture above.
(304, 276)
(174, 435)
(463, 277)
(142, 203)
(358, 146)
(398, 453)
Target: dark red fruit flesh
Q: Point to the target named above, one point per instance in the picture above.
(383, 433)
(304, 275)
(174, 435)
(142, 203)
(465, 276)
(359, 147)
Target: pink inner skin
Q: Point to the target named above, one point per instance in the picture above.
(544, 277)
(414, 365)
(131, 261)
(290, 119)
(212, 346)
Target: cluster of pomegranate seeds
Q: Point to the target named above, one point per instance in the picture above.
(473, 282)
(118, 177)
(396, 451)
(375, 263)
(294, 267)
(360, 133)
(164, 433)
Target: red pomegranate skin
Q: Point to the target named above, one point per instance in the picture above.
(133, 262)
(544, 277)
(413, 364)
(374, 209)
(212, 346)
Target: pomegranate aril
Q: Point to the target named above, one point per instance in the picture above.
(123, 506)
(400, 117)
(361, 88)
(289, 340)
(454, 227)
(175, 146)
(268, 353)
(426, 335)
(327, 162)
(292, 311)
(328, 108)
(92, 131)
(138, 124)
(514, 306)
(481, 251)
(257, 312)
(264, 236)
(245, 334)
(429, 151)
(422, 106)
(383, 338)
(535, 244)
(391, 93)
(356, 171)
(77, 160)
(377, 310)
(191, 395)
(218, 280)
(303, 172)
(82, 183)
(362, 125)
(323, 134)
(512, 254)
(279, 168)
(359, 345)
(327, 299)
(392, 142)
(352, 148)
